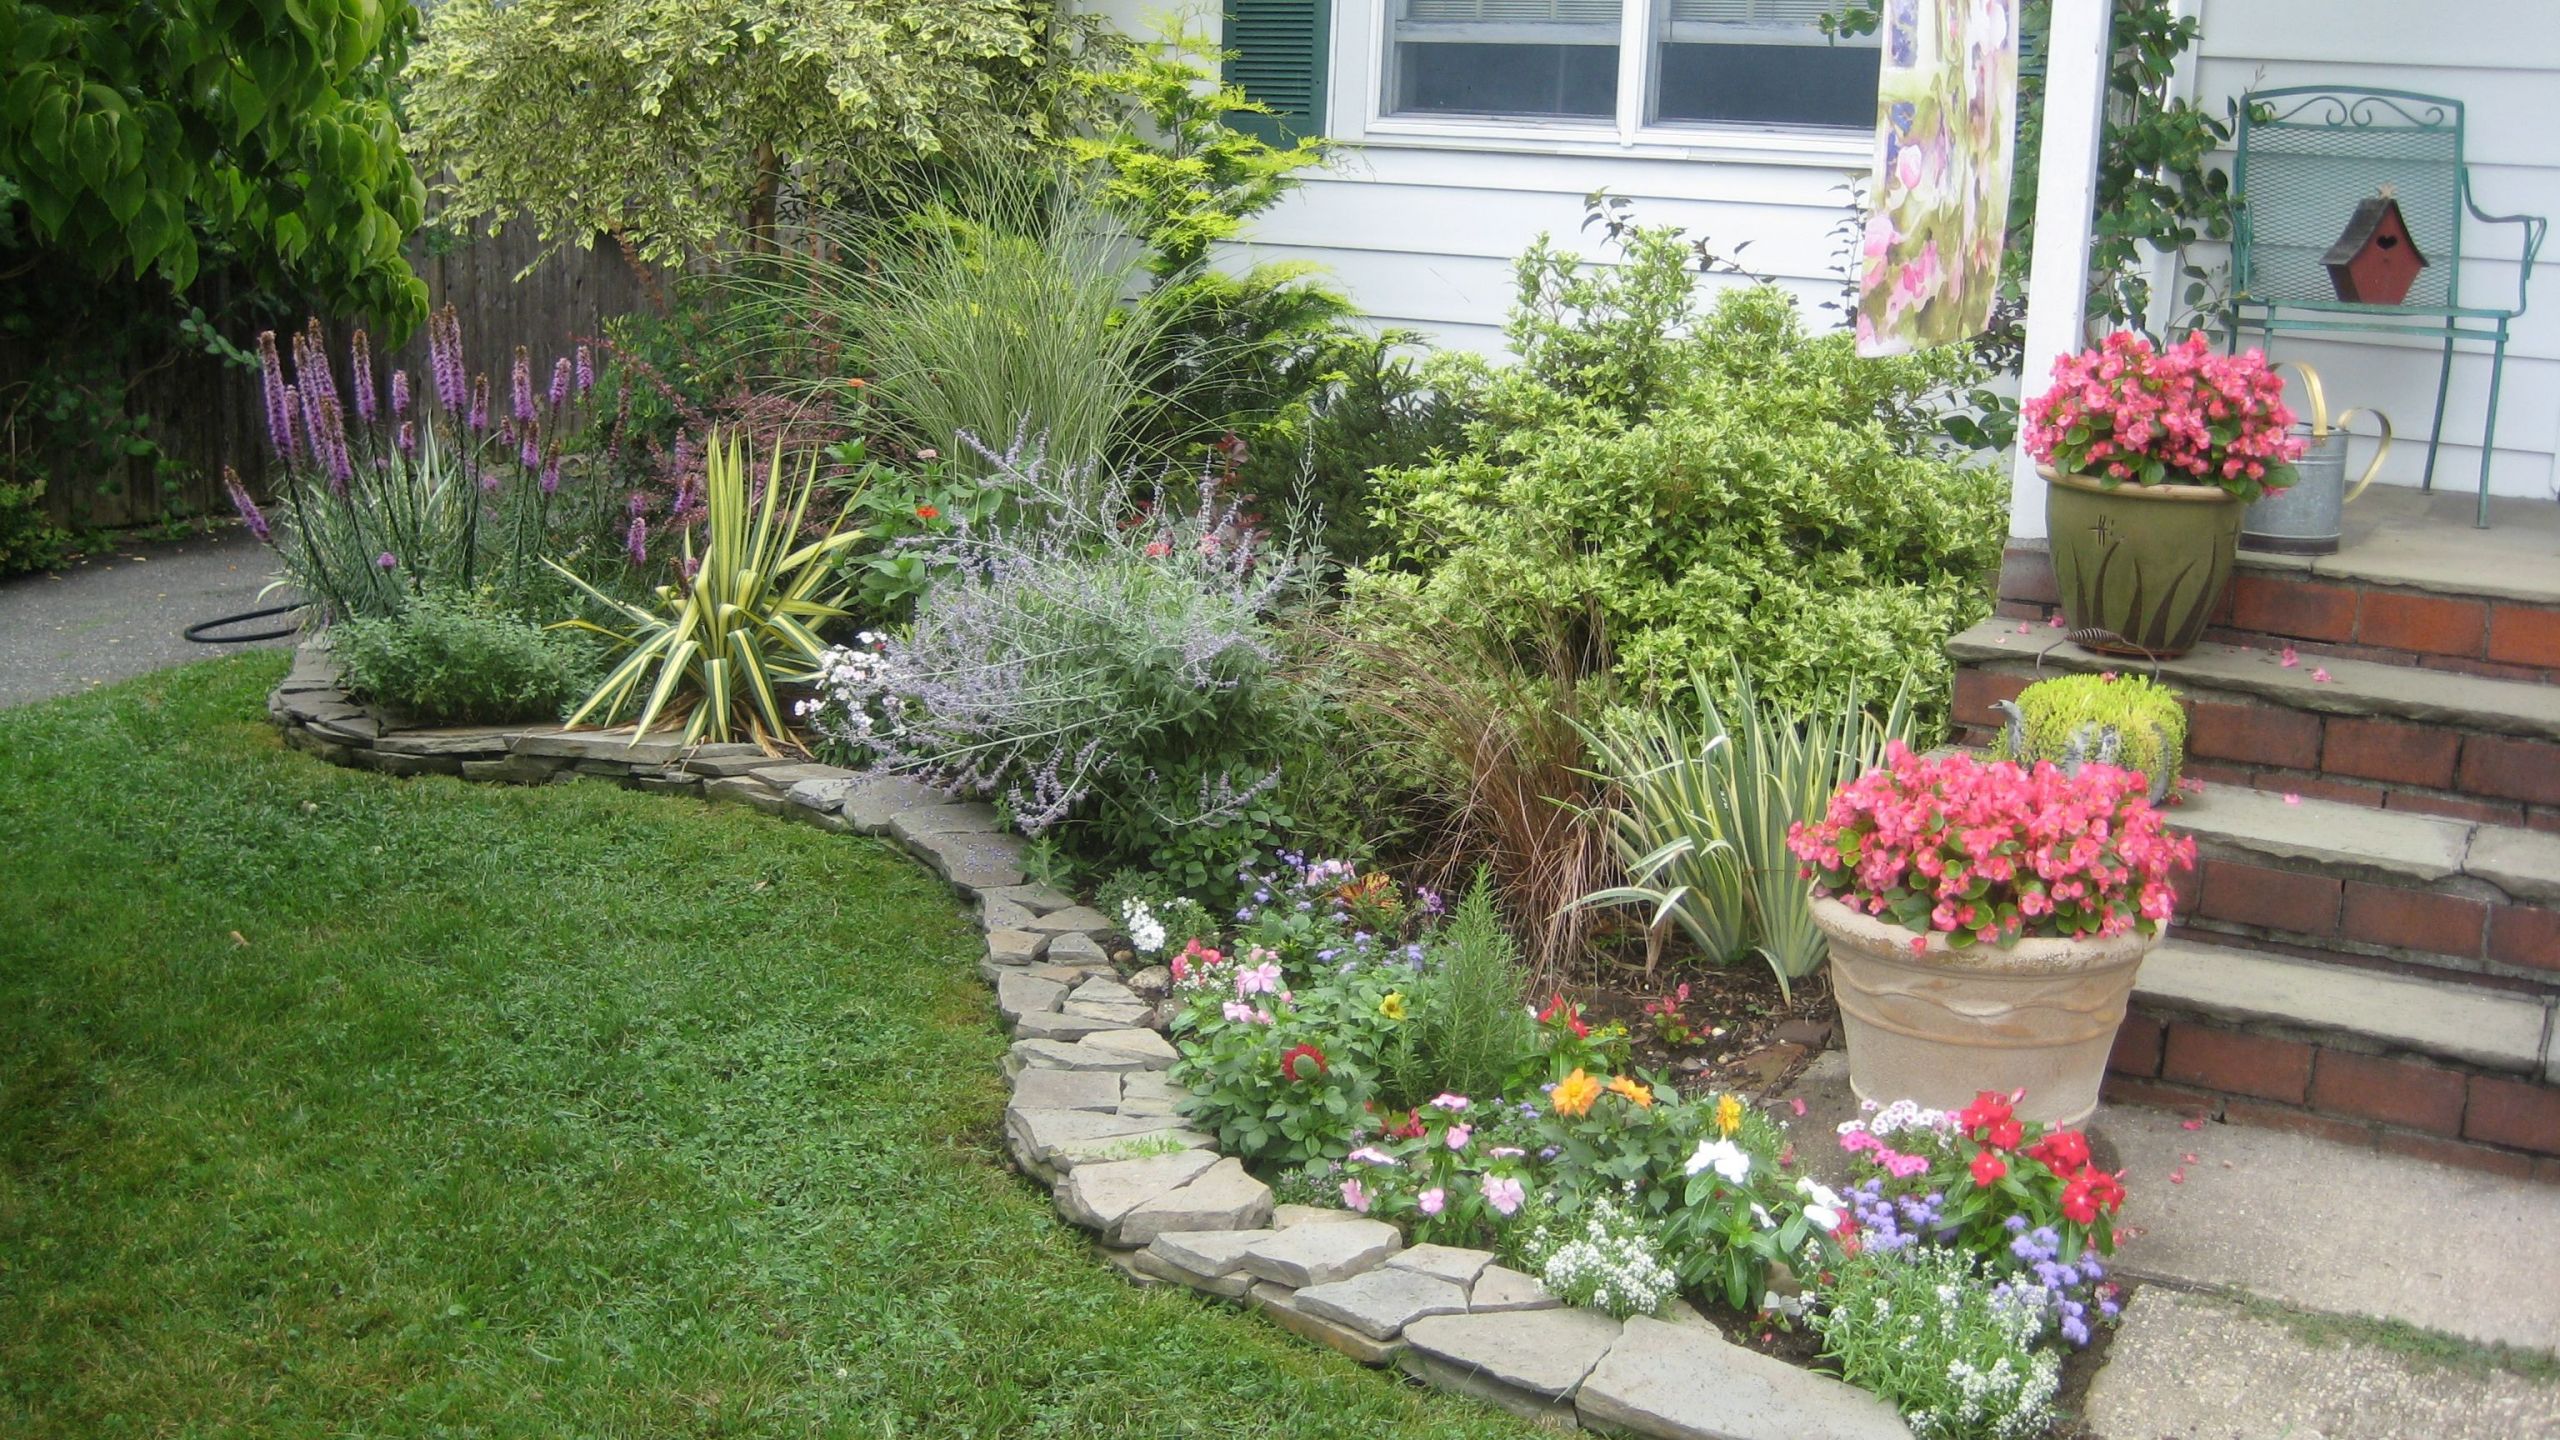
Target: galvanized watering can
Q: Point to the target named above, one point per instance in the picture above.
(2304, 518)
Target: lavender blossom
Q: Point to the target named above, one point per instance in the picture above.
(360, 362)
(250, 514)
(520, 386)
(280, 424)
(444, 352)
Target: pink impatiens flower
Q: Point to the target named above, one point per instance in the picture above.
(1458, 1136)
(1432, 1200)
(1262, 979)
(1355, 1196)
(1503, 1193)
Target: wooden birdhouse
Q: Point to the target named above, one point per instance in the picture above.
(2375, 262)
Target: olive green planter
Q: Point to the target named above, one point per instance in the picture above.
(2140, 567)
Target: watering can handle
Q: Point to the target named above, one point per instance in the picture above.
(2381, 452)
(2319, 398)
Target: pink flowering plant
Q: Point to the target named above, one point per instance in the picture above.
(1439, 1171)
(1989, 853)
(2127, 413)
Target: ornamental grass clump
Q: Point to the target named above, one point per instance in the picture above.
(2102, 719)
(1989, 853)
(2126, 413)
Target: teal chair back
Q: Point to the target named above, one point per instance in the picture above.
(2307, 154)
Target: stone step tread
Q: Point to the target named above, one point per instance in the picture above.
(2354, 687)
(2494, 1028)
(2396, 846)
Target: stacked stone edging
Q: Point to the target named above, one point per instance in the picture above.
(1093, 1113)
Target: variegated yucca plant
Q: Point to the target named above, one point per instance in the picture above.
(1701, 809)
(716, 645)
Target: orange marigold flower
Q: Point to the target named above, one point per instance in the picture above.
(1575, 1093)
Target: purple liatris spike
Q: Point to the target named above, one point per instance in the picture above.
(329, 442)
(250, 514)
(635, 541)
(399, 392)
(559, 382)
(311, 364)
(479, 404)
(360, 362)
(531, 454)
(444, 352)
(636, 505)
(586, 370)
(551, 476)
(271, 378)
(520, 386)
(408, 438)
(291, 408)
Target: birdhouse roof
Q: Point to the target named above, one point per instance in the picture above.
(2359, 232)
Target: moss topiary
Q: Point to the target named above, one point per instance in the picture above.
(2109, 719)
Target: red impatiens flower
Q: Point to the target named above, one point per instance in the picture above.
(2089, 1192)
(1987, 1169)
(1289, 1060)
(1571, 1013)
(928, 512)
(2063, 1152)
(1411, 1129)
(1990, 1114)
(2006, 1134)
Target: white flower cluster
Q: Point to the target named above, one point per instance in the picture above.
(2006, 1400)
(1145, 930)
(1612, 1264)
(852, 683)
(1897, 1117)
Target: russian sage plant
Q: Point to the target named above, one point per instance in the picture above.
(1925, 1328)
(1119, 678)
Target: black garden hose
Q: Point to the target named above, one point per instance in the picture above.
(196, 632)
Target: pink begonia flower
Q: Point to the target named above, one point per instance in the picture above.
(1262, 979)
(1355, 1196)
(1458, 1136)
(1432, 1199)
(1503, 1193)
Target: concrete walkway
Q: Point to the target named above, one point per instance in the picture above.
(119, 613)
(2288, 1286)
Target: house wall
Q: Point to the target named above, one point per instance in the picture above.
(1421, 229)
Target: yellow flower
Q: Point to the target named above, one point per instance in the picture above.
(1393, 1006)
(1633, 1091)
(1574, 1094)
(1728, 1114)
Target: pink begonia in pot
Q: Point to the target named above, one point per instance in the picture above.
(2150, 455)
(1986, 922)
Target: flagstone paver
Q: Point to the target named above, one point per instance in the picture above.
(1686, 1382)
(1381, 1302)
(1314, 1254)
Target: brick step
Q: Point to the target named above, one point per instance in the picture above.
(2386, 885)
(2414, 585)
(2429, 1067)
(2380, 735)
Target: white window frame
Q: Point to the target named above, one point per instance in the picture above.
(1360, 52)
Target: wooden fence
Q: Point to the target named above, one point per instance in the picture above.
(207, 415)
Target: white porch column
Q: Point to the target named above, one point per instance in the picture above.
(2075, 93)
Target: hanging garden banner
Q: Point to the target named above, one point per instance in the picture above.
(1946, 123)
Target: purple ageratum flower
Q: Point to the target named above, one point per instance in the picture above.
(360, 363)
(399, 392)
(520, 386)
(250, 514)
(387, 560)
(559, 382)
(586, 370)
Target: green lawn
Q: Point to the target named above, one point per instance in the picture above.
(334, 1105)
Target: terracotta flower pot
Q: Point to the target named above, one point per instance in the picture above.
(2144, 564)
(1939, 1026)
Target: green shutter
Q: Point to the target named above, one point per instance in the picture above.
(1279, 49)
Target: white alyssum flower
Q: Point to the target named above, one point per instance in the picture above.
(1145, 930)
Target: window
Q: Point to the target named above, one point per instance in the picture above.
(1725, 62)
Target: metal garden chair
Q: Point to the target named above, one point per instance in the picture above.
(2307, 154)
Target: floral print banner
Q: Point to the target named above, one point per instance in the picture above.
(1946, 123)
